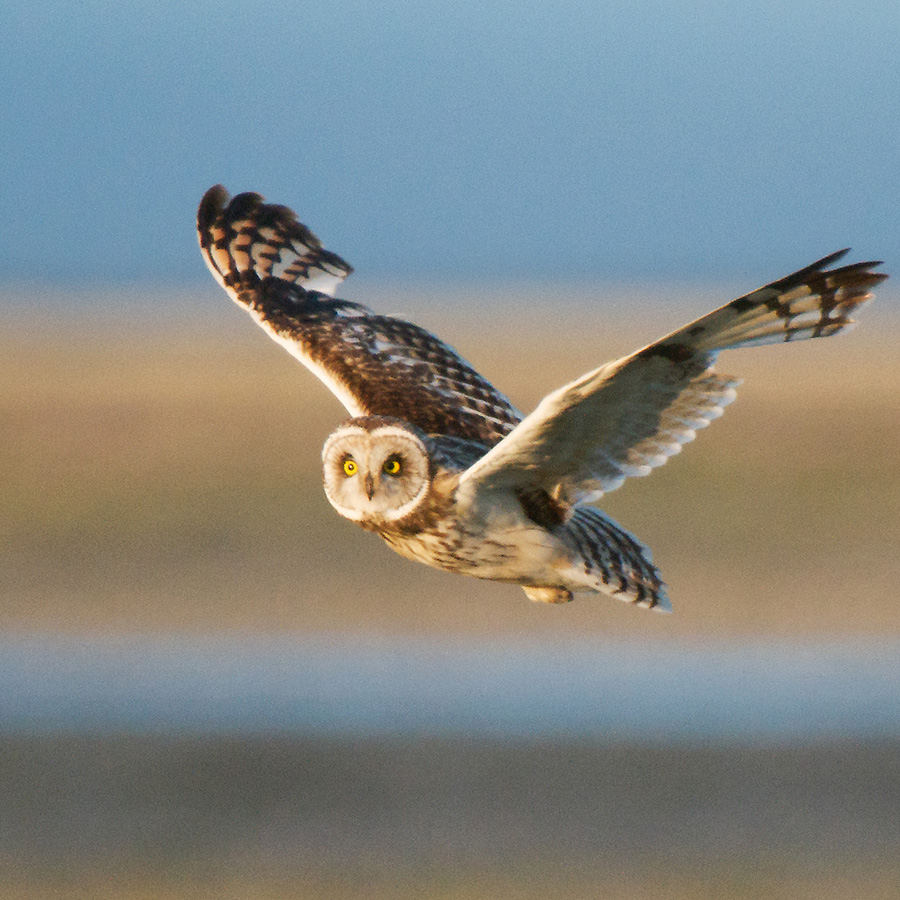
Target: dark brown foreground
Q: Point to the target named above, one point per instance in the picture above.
(288, 817)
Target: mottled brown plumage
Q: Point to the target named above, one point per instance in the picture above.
(377, 365)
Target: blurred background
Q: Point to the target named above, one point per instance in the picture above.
(211, 685)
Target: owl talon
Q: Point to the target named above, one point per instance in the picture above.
(548, 594)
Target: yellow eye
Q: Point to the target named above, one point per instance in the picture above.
(392, 466)
(350, 467)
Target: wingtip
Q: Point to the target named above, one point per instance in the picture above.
(211, 206)
(826, 261)
(830, 258)
(862, 266)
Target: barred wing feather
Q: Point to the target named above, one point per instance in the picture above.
(277, 270)
(630, 416)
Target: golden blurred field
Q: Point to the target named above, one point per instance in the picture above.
(160, 463)
(160, 472)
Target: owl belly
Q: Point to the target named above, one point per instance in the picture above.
(512, 551)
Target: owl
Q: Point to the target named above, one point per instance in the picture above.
(442, 466)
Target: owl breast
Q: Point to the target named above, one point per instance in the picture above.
(499, 546)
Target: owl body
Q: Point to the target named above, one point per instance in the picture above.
(443, 467)
(409, 488)
(418, 509)
(517, 550)
(499, 541)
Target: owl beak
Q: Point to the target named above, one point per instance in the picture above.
(370, 485)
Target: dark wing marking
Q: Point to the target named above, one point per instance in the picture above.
(813, 302)
(631, 415)
(376, 365)
(623, 565)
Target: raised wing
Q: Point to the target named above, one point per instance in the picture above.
(276, 269)
(631, 415)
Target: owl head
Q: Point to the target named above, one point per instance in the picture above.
(376, 470)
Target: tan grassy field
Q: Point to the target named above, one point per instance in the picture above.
(161, 471)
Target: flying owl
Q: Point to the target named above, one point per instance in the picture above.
(443, 467)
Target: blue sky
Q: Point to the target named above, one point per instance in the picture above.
(554, 139)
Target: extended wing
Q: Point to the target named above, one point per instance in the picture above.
(376, 365)
(631, 415)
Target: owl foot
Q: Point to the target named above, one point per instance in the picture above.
(547, 594)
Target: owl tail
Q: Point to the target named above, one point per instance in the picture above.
(814, 302)
(613, 561)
